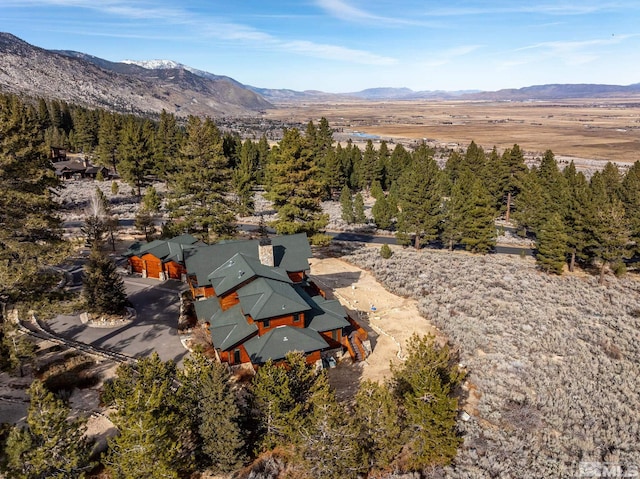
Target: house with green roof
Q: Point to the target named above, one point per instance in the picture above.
(260, 304)
(161, 259)
(255, 297)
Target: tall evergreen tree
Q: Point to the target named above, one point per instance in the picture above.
(135, 152)
(152, 432)
(382, 213)
(511, 167)
(399, 160)
(630, 193)
(243, 178)
(427, 382)
(346, 204)
(30, 239)
(200, 185)
(293, 186)
(50, 445)
(479, 220)
(576, 218)
(166, 145)
(329, 444)
(103, 288)
(420, 199)
(358, 209)
(551, 245)
(208, 402)
(379, 424)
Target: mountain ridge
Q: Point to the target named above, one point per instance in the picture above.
(84, 79)
(154, 85)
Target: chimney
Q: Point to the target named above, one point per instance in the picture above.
(265, 252)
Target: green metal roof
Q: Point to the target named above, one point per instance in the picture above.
(292, 252)
(325, 315)
(265, 298)
(282, 340)
(203, 260)
(241, 268)
(230, 327)
(206, 308)
(166, 250)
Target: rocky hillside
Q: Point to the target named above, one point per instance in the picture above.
(80, 78)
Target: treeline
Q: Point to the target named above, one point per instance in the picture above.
(171, 422)
(212, 176)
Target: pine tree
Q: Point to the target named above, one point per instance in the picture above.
(30, 239)
(382, 214)
(531, 205)
(358, 207)
(16, 348)
(420, 199)
(199, 188)
(243, 178)
(456, 206)
(379, 424)
(551, 245)
(346, 204)
(103, 291)
(207, 400)
(630, 193)
(366, 171)
(152, 432)
(277, 414)
(510, 169)
(479, 223)
(135, 152)
(151, 200)
(166, 146)
(293, 185)
(427, 382)
(329, 443)
(610, 233)
(576, 217)
(50, 446)
(399, 160)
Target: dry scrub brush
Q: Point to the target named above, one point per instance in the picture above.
(556, 359)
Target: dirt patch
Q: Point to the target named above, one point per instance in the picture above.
(389, 319)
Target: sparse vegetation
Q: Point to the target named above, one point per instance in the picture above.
(552, 360)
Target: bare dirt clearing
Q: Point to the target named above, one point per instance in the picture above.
(605, 130)
(392, 323)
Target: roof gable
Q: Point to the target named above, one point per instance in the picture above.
(292, 252)
(265, 298)
(278, 342)
(239, 269)
(230, 327)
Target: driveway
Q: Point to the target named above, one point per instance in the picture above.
(154, 329)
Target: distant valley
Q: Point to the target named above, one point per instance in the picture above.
(151, 86)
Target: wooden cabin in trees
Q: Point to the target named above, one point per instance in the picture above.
(161, 259)
(259, 303)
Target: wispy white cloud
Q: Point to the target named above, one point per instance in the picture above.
(347, 12)
(207, 27)
(556, 8)
(571, 53)
(447, 56)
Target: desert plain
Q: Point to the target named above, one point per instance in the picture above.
(583, 130)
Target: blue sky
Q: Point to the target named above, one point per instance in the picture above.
(350, 45)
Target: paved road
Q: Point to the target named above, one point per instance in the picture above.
(154, 328)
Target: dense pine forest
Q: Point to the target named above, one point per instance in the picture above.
(283, 418)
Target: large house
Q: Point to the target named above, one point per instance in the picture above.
(161, 259)
(259, 303)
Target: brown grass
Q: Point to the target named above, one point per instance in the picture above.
(607, 129)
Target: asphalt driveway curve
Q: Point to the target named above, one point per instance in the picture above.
(154, 329)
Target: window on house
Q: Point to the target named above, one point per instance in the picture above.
(296, 317)
(334, 335)
(236, 356)
(266, 323)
